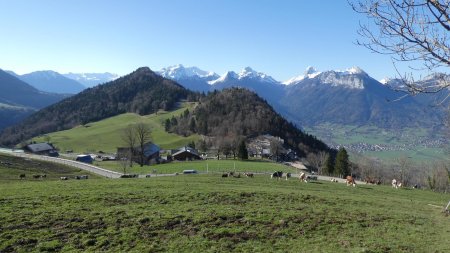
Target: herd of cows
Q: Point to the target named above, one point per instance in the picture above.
(303, 177)
(43, 176)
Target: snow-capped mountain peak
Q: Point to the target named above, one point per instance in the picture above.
(179, 71)
(248, 72)
(229, 75)
(310, 73)
(350, 78)
(355, 71)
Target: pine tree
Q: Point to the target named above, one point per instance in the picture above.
(167, 125)
(329, 165)
(242, 151)
(342, 165)
(193, 125)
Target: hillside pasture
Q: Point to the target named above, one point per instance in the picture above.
(208, 213)
(106, 135)
(12, 167)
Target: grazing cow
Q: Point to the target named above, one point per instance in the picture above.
(334, 180)
(64, 178)
(302, 177)
(287, 175)
(396, 184)
(350, 181)
(370, 180)
(277, 174)
(248, 174)
(21, 176)
(36, 176)
(225, 175)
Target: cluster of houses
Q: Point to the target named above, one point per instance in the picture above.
(152, 153)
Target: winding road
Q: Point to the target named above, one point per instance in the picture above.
(79, 165)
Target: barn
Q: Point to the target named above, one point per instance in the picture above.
(151, 153)
(186, 153)
(43, 148)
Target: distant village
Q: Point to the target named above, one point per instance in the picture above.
(263, 146)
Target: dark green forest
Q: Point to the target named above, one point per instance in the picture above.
(238, 113)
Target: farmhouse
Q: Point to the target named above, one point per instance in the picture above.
(151, 153)
(186, 153)
(43, 148)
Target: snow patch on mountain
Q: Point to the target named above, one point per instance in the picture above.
(310, 73)
(246, 73)
(178, 72)
(352, 78)
(229, 75)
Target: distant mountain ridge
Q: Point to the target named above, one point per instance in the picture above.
(92, 79)
(19, 99)
(51, 81)
(141, 92)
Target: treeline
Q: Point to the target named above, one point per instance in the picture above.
(236, 113)
(141, 92)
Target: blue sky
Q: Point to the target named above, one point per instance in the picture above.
(279, 37)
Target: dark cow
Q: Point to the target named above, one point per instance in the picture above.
(22, 176)
(277, 174)
(36, 176)
(225, 175)
(248, 174)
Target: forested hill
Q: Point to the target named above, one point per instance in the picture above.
(238, 112)
(141, 92)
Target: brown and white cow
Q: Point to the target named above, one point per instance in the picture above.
(350, 181)
(247, 174)
(396, 184)
(303, 177)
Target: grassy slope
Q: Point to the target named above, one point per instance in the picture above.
(105, 135)
(11, 167)
(203, 166)
(197, 213)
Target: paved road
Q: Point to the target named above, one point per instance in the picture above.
(83, 166)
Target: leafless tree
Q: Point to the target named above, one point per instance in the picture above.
(317, 160)
(410, 31)
(438, 178)
(130, 139)
(143, 135)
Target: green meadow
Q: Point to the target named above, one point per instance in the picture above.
(208, 213)
(211, 166)
(105, 135)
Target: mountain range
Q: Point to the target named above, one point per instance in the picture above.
(19, 99)
(348, 97)
(91, 79)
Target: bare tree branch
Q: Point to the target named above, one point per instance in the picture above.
(409, 31)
